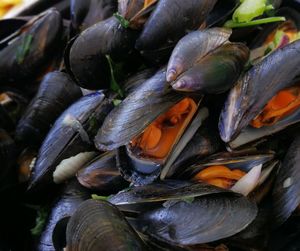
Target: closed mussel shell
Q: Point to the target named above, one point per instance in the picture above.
(26, 56)
(86, 60)
(56, 92)
(201, 220)
(71, 134)
(98, 225)
(72, 196)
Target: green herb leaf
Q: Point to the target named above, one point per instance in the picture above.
(40, 222)
(114, 86)
(98, 197)
(116, 102)
(232, 24)
(188, 200)
(122, 20)
(24, 48)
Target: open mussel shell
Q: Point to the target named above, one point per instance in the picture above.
(170, 20)
(26, 57)
(73, 194)
(136, 112)
(71, 134)
(257, 168)
(286, 191)
(256, 88)
(102, 175)
(244, 160)
(98, 225)
(56, 92)
(85, 13)
(86, 60)
(141, 170)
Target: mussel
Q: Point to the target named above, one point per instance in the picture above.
(70, 136)
(98, 225)
(27, 51)
(170, 20)
(72, 196)
(240, 171)
(187, 213)
(265, 99)
(102, 175)
(56, 92)
(204, 61)
(154, 123)
(89, 64)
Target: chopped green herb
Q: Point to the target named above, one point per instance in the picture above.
(188, 200)
(40, 222)
(122, 20)
(232, 24)
(24, 48)
(98, 197)
(116, 102)
(114, 86)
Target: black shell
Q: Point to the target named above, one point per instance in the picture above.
(171, 20)
(28, 55)
(87, 61)
(98, 225)
(72, 196)
(71, 134)
(56, 92)
(136, 112)
(102, 175)
(256, 88)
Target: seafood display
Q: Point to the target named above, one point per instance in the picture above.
(149, 125)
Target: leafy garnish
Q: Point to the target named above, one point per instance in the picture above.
(98, 197)
(232, 24)
(24, 48)
(40, 221)
(122, 20)
(250, 9)
(188, 200)
(116, 102)
(114, 86)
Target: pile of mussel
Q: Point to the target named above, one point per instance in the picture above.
(148, 125)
